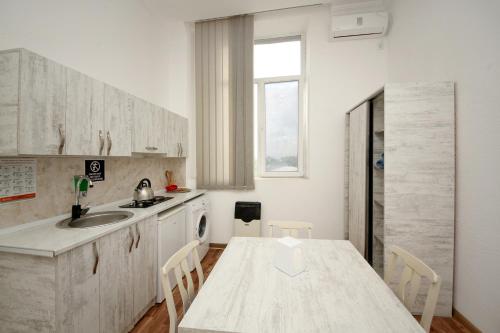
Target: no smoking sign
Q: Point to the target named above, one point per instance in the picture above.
(94, 169)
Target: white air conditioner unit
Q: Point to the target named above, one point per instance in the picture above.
(358, 26)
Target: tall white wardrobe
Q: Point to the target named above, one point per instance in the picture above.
(410, 200)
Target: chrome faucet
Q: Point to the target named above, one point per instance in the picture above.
(76, 209)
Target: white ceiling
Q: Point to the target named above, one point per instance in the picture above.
(192, 10)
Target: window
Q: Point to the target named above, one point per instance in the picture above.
(278, 107)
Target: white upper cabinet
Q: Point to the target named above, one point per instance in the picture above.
(85, 132)
(176, 138)
(42, 106)
(148, 125)
(171, 143)
(157, 133)
(184, 141)
(142, 120)
(9, 100)
(48, 109)
(118, 106)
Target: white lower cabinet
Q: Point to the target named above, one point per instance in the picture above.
(128, 275)
(77, 293)
(115, 281)
(171, 238)
(144, 266)
(102, 286)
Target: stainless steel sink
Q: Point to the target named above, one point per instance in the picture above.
(96, 219)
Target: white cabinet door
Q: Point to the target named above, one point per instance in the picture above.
(358, 176)
(144, 265)
(116, 287)
(42, 106)
(142, 126)
(156, 138)
(171, 142)
(118, 106)
(84, 115)
(9, 100)
(178, 236)
(77, 293)
(148, 128)
(171, 238)
(183, 137)
(419, 174)
(176, 136)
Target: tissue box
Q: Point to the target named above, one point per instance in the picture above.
(288, 257)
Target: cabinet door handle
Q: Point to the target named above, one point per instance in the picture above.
(110, 142)
(178, 149)
(101, 142)
(132, 242)
(62, 138)
(182, 149)
(151, 148)
(96, 255)
(138, 235)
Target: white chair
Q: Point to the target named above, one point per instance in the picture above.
(290, 228)
(414, 270)
(179, 265)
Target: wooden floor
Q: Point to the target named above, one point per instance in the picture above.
(156, 319)
(445, 325)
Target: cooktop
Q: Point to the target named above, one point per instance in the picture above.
(146, 203)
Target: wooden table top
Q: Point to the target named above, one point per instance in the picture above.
(338, 292)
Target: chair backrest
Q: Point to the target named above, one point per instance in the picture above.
(290, 228)
(414, 270)
(178, 263)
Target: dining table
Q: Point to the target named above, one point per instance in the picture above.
(338, 291)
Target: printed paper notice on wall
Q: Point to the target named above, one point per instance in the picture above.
(17, 179)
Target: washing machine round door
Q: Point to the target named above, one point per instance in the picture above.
(202, 227)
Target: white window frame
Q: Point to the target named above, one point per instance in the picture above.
(261, 113)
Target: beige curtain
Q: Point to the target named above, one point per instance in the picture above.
(224, 103)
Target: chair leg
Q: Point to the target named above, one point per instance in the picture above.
(430, 305)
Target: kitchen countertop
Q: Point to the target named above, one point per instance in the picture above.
(44, 238)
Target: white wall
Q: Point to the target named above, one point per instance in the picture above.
(339, 75)
(120, 42)
(459, 40)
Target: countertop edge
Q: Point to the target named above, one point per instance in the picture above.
(20, 250)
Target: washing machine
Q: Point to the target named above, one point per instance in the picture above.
(198, 225)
